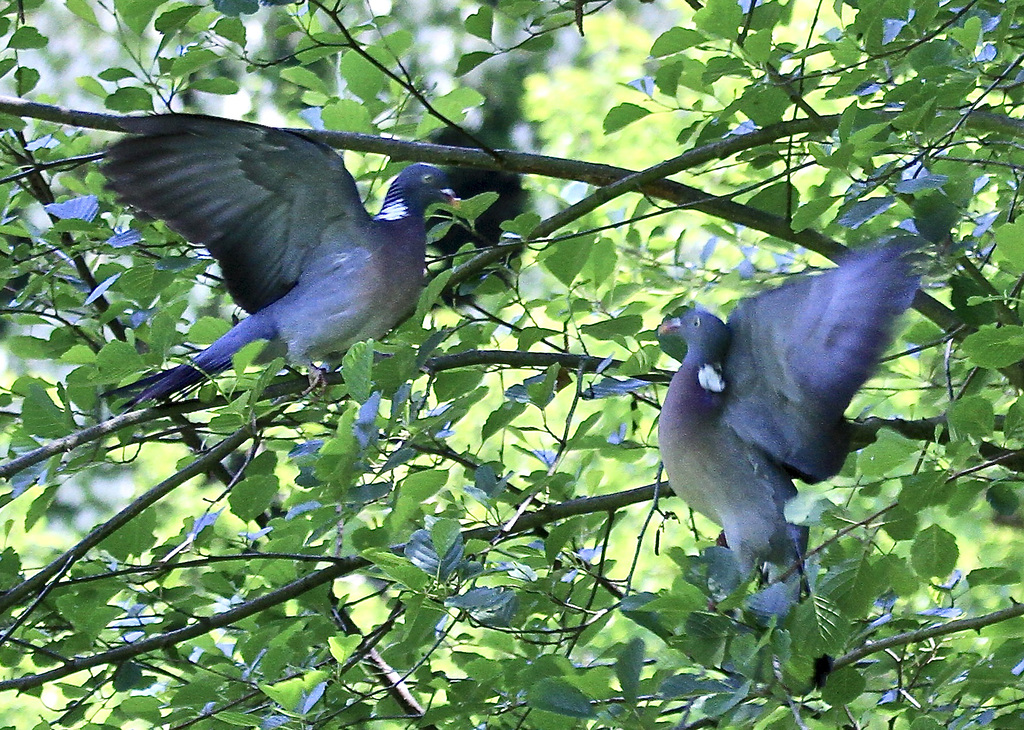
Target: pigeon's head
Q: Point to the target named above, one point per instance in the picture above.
(415, 188)
(696, 333)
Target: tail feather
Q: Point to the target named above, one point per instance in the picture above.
(209, 362)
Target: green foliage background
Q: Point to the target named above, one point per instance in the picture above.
(465, 533)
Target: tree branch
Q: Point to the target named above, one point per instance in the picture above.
(912, 637)
(338, 568)
(101, 532)
(593, 173)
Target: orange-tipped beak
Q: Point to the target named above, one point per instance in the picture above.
(670, 326)
(451, 198)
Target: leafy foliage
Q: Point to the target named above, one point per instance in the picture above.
(465, 529)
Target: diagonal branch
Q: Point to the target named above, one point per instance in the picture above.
(338, 568)
(976, 623)
(101, 532)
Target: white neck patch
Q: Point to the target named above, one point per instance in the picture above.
(710, 378)
(392, 211)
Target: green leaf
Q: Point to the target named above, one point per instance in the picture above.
(522, 225)
(415, 490)
(232, 29)
(923, 489)
(30, 348)
(286, 694)
(719, 18)
(134, 538)
(1013, 425)
(566, 258)
(398, 569)
(623, 115)
(887, 453)
(623, 326)
(219, 85)
(900, 523)
(469, 61)
(129, 99)
(428, 557)
(136, 13)
(601, 263)
(973, 416)
(498, 419)
(452, 105)
(302, 76)
(821, 626)
(255, 494)
(91, 86)
(764, 105)
(362, 78)
(341, 647)
(864, 210)
(42, 417)
(175, 18)
(357, 368)
(27, 37)
(934, 552)
(628, 666)
(347, 115)
(117, 360)
(843, 686)
(115, 73)
(26, 79)
(83, 10)
(995, 347)
(1002, 496)
(444, 534)
(490, 606)
(810, 211)
(481, 22)
(993, 576)
(675, 40)
(431, 294)
(193, 60)
(238, 719)
(206, 330)
(1010, 245)
(471, 208)
(554, 694)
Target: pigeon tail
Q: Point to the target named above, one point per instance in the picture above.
(212, 360)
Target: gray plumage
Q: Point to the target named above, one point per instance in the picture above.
(283, 218)
(760, 400)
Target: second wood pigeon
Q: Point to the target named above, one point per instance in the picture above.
(284, 220)
(760, 400)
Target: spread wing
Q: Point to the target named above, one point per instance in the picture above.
(800, 352)
(259, 199)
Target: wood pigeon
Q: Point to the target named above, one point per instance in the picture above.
(283, 218)
(760, 400)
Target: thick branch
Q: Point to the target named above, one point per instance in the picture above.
(84, 436)
(200, 627)
(338, 568)
(101, 532)
(912, 637)
(594, 173)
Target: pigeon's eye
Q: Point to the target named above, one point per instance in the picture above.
(696, 323)
(428, 178)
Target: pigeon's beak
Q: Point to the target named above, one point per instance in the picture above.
(670, 326)
(451, 198)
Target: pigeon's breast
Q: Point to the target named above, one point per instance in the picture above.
(352, 298)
